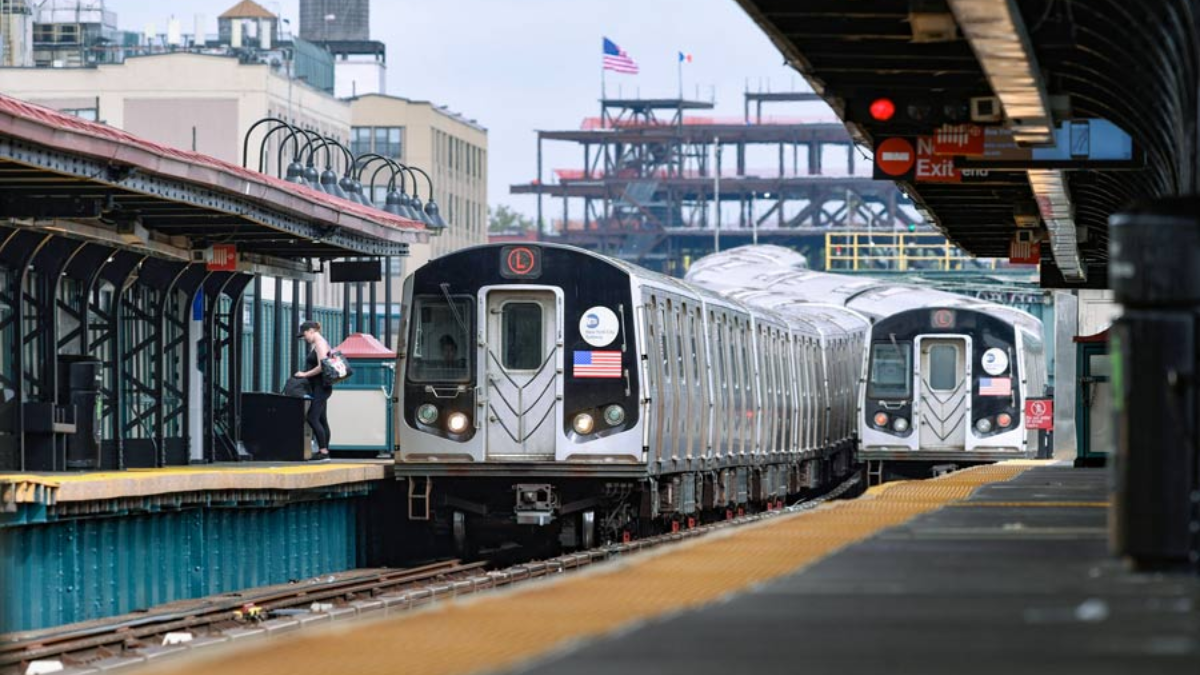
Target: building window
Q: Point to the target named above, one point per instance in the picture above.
(389, 141)
(386, 141)
(88, 114)
(360, 140)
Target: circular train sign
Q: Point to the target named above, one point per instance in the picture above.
(520, 261)
(895, 156)
(599, 326)
(995, 361)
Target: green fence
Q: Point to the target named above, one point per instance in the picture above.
(331, 326)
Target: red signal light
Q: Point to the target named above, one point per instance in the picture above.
(882, 109)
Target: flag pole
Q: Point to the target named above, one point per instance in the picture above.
(679, 64)
(603, 92)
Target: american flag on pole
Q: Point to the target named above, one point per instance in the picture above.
(995, 386)
(598, 364)
(617, 60)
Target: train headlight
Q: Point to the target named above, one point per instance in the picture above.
(983, 426)
(583, 424)
(881, 419)
(427, 414)
(900, 425)
(1004, 420)
(457, 423)
(614, 415)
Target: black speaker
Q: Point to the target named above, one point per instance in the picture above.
(274, 428)
(353, 271)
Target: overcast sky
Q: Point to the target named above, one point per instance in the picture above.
(521, 65)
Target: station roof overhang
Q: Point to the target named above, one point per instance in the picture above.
(85, 180)
(1126, 63)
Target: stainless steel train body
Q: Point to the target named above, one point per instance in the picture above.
(542, 384)
(946, 376)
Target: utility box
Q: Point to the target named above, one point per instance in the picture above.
(274, 427)
(360, 411)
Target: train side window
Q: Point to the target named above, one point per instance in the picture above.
(664, 357)
(890, 371)
(521, 326)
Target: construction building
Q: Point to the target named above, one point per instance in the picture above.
(654, 168)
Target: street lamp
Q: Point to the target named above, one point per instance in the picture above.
(433, 217)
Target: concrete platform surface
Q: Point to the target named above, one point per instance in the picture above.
(1014, 579)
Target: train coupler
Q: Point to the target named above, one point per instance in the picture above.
(536, 503)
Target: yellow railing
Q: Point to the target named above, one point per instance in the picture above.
(899, 251)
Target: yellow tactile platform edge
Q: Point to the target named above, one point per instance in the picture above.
(501, 630)
(22, 488)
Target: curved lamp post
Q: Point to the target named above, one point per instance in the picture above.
(433, 215)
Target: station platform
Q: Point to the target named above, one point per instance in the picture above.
(82, 546)
(1001, 568)
(65, 493)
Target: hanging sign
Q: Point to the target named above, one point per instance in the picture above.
(221, 258)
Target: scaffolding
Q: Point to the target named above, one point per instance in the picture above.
(653, 169)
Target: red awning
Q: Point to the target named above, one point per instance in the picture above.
(364, 346)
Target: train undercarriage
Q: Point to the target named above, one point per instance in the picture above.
(569, 508)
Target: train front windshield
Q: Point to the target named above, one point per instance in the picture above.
(891, 371)
(441, 340)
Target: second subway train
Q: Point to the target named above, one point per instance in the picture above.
(562, 392)
(946, 375)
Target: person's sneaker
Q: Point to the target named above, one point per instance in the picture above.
(320, 457)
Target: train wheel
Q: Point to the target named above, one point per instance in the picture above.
(460, 534)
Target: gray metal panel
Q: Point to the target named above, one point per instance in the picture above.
(1066, 317)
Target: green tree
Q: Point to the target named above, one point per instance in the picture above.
(504, 219)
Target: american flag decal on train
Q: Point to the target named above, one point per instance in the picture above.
(598, 364)
(995, 386)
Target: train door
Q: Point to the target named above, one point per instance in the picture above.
(520, 373)
(944, 391)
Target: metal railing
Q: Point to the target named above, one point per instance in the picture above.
(897, 251)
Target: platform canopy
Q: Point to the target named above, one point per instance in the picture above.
(1043, 64)
(87, 180)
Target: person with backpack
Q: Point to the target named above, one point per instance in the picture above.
(320, 390)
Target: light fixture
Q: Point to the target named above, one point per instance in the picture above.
(583, 424)
(614, 415)
(1001, 43)
(882, 109)
(427, 414)
(434, 218)
(457, 423)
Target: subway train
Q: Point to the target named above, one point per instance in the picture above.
(946, 375)
(549, 393)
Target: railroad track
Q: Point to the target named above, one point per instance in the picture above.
(360, 592)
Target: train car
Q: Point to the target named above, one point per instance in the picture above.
(546, 391)
(946, 375)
